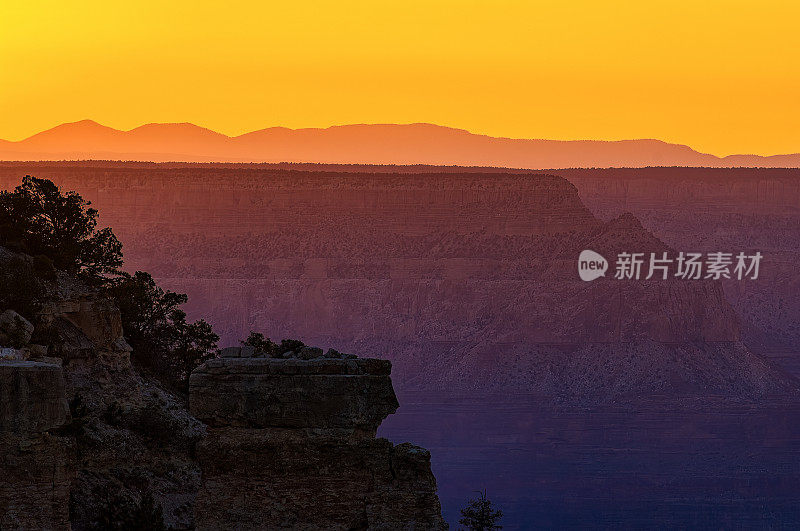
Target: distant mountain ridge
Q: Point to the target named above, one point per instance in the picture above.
(418, 143)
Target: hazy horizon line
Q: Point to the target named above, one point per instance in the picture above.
(400, 124)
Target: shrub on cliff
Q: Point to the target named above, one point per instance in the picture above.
(157, 329)
(480, 515)
(22, 287)
(59, 229)
(262, 345)
(290, 345)
(38, 219)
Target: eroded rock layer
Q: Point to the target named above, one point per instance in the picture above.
(84, 438)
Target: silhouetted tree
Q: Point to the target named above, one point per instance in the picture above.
(192, 344)
(262, 345)
(290, 344)
(60, 230)
(480, 514)
(156, 328)
(22, 286)
(38, 219)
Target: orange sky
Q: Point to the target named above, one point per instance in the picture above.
(722, 77)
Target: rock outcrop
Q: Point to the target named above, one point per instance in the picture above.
(87, 441)
(84, 438)
(37, 467)
(291, 444)
(14, 329)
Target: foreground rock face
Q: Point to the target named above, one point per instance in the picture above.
(291, 443)
(32, 398)
(37, 468)
(125, 455)
(132, 436)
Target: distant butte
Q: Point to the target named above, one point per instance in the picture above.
(361, 143)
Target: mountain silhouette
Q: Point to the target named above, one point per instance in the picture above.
(418, 143)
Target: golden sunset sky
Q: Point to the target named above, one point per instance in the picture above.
(723, 77)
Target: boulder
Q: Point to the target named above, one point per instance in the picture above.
(309, 353)
(333, 354)
(15, 330)
(70, 342)
(32, 397)
(9, 353)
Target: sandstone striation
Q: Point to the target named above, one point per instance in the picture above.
(291, 444)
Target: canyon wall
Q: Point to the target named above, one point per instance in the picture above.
(88, 442)
(711, 210)
(469, 273)
(85, 439)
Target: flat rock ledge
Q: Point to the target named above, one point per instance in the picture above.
(336, 394)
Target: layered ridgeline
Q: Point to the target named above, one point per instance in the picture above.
(467, 281)
(360, 144)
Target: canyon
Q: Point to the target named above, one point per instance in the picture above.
(465, 278)
(454, 271)
(711, 210)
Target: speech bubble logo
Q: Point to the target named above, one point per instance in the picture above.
(591, 265)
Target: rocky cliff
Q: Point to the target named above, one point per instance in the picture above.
(85, 438)
(36, 464)
(291, 444)
(88, 442)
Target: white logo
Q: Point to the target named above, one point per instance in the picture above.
(591, 265)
